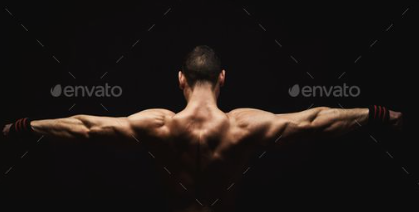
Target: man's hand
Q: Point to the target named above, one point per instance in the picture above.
(396, 120)
(6, 129)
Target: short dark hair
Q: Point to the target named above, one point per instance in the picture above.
(201, 65)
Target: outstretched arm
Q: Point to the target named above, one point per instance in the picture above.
(83, 126)
(320, 122)
(331, 122)
(86, 126)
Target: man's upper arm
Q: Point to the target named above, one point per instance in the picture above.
(148, 122)
(271, 127)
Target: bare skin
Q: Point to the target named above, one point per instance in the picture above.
(204, 148)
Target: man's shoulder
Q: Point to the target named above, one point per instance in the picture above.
(250, 118)
(245, 113)
(252, 123)
(151, 119)
(153, 112)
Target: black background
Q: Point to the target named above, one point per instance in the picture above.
(325, 40)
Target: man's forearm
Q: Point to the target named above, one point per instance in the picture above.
(66, 128)
(335, 122)
(322, 122)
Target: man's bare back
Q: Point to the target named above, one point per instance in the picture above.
(205, 150)
(202, 149)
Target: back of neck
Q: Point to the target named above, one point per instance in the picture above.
(202, 99)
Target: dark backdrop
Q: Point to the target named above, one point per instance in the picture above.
(266, 48)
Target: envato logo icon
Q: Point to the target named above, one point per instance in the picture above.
(86, 91)
(324, 91)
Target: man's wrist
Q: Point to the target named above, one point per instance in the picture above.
(21, 128)
(378, 116)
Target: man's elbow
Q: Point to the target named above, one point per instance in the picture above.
(326, 120)
(322, 109)
(84, 133)
(82, 128)
(321, 120)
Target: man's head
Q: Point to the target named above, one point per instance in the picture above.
(201, 67)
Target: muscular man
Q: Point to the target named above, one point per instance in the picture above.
(204, 147)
